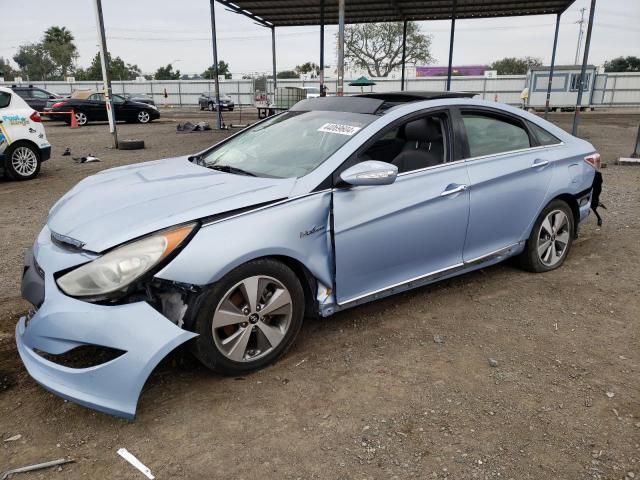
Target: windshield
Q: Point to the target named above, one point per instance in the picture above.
(288, 145)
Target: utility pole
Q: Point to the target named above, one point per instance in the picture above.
(108, 95)
(580, 34)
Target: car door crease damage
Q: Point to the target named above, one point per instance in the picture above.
(328, 219)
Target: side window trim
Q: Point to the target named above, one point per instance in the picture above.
(490, 112)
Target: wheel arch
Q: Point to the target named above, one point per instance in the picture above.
(25, 141)
(307, 280)
(570, 200)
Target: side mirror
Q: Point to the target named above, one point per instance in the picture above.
(370, 172)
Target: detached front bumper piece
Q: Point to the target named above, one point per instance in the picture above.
(60, 324)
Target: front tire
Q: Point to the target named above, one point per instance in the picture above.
(550, 240)
(143, 116)
(22, 161)
(211, 107)
(249, 318)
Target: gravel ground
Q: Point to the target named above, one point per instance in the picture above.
(496, 374)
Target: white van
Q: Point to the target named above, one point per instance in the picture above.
(23, 143)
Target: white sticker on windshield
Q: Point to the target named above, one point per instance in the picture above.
(339, 129)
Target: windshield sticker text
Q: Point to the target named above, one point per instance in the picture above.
(339, 129)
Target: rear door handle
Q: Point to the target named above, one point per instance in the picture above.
(540, 163)
(453, 188)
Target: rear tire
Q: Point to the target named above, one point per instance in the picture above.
(22, 161)
(250, 318)
(550, 240)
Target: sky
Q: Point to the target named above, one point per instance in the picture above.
(150, 33)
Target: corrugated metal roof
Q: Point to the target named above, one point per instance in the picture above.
(289, 13)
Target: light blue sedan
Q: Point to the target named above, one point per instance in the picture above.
(335, 203)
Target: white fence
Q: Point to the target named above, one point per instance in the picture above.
(611, 89)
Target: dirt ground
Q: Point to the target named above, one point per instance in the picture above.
(400, 388)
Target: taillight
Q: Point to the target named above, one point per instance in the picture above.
(58, 104)
(594, 160)
(35, 117)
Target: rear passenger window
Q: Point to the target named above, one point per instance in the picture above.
(544, 137)
(5, 99)
(488, 135)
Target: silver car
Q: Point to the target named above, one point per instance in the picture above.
(337, 202)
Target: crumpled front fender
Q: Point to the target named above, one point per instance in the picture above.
(63, 323)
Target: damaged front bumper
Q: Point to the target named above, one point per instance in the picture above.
(140, 334)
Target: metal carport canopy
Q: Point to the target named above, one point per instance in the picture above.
(295, 13)
(292, 13)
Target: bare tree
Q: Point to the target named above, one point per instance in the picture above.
(377, 47)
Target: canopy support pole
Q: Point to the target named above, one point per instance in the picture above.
(585, 60)
(273, 53)
(322, 93)
(404, 54)
(106, 78)
(451, 36)
(340, 86)
(214, 44)
(553, 65)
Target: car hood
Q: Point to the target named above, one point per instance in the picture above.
(123, 203)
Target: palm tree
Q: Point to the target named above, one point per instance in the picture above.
(59, 42)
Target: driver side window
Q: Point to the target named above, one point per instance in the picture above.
(419, 143)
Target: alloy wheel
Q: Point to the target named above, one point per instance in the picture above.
(553, 238)
(24, 161)
(252, 318)
(81, 118)
(143, 116)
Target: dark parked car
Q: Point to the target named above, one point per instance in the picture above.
(208, 101)
(139, 97)
(35, 97)
(93, 109)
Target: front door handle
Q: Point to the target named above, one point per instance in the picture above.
(540, 163)
(453, 188)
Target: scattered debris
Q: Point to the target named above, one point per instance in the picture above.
(628, 161)
(88, 159)
(438, 339)
(37, 466)
(493, 362)
(301, 362)
(14, 438)
(611, 394)
(124, 453)
(67, 152)
(188, 127)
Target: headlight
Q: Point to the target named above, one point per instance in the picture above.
(121, 266)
